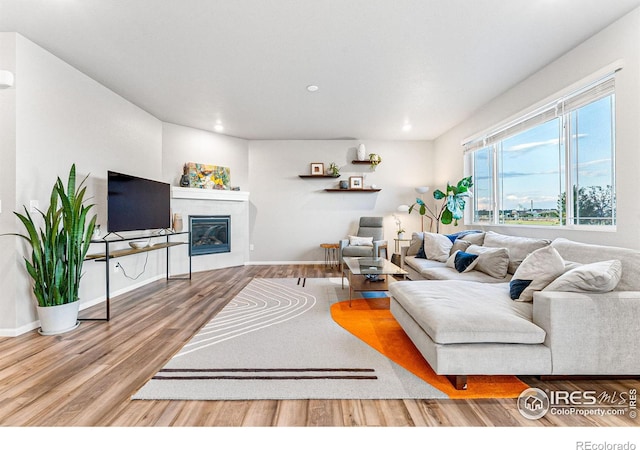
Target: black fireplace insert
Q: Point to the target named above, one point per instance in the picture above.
(210, 234)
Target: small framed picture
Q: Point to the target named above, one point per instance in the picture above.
(355, 182)
(317, 168)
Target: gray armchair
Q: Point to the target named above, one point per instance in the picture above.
(369, 227)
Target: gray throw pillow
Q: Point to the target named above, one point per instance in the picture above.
(492, 261)
(602, 276)
(536, 271)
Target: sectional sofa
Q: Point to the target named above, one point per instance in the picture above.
(521, 306)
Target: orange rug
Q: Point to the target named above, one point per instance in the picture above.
(371, 321)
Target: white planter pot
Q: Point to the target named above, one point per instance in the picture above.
(58, 319)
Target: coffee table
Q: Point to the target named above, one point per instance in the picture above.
(356, 271)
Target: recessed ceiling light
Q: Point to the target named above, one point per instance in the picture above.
(218, 127)
(406, 127)
(312, 88)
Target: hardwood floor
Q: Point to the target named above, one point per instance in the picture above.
(86, 377)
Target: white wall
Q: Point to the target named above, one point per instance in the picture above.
(8, 253)
(64, 117)
(292, 216)
(181, 145)
(621, 40)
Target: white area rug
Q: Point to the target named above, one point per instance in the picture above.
(276, 340)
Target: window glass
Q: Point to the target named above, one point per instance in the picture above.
(592, 164)
(530, 181)
(483, 185)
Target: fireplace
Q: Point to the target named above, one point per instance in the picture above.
(210, 234)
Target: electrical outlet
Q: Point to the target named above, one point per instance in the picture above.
(34, 205)
(251, 247)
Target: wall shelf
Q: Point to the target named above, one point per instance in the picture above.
(357, 161)
(353, 190)
(318, 176)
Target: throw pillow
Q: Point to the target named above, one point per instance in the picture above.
(437, 246)
(602, 276)
(464, 262)
(535, 272)
(459, 244)
(492, 261)
(415, 246)
(359, 240)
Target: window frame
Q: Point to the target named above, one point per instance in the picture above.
(602, 85)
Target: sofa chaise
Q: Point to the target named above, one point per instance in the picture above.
(581, 319)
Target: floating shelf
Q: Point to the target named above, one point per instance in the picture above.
(357, 161)
(318, 176)
(353, 190)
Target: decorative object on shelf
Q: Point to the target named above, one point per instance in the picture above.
(139, 244)
(184, 179)
(58, 250)
(362, 153)
(356, 182)
(317, 169)
(374, 159)
(177, 222)
(344, 184)
(207, 176)
(452, 206)
(334, 170)
(400, 231)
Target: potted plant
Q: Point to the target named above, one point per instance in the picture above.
(334, 170)
(374, 159)
(452, 206)
(58, 250)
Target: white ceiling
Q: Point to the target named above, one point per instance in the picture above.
(246, 63)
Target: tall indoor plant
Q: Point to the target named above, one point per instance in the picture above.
(58, 250)
(451, 207)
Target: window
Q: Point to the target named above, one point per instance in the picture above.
(552, 167)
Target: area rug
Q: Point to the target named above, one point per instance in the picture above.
(370, 320)
(282, 339)
(276, 340)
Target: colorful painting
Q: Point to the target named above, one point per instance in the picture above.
(207, 176)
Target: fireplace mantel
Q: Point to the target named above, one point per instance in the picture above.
(209, 194)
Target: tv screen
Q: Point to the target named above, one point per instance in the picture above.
(135, 203)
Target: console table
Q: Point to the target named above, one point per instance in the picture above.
(109, 254)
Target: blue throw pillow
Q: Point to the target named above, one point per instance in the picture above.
(463, 260)
(421, 253)
(516, 287)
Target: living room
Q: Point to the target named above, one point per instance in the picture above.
(55, 115)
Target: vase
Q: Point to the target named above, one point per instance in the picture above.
(58, 319)
(362, 153)
(400, 235)
(177, 222)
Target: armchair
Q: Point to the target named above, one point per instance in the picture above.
(371, 229)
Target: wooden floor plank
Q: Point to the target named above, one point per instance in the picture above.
(86, 377)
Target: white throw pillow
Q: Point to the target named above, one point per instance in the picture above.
(535, 272)
(437, 246)
(602, 276)
(358, 240)
(492, 261)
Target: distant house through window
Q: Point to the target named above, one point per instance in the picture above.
(552, 167)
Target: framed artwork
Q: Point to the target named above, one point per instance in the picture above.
(207, 176)
(355, 182)
(317, 169)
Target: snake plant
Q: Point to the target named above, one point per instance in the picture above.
(59, 247)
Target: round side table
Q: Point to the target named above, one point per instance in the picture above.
(330, 254)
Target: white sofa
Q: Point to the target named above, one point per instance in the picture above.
(467, 323)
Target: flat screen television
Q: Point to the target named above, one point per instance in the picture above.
(135, 203)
